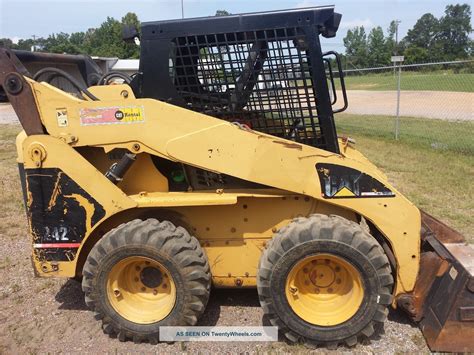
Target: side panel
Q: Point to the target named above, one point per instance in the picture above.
(60, 213)
(59, 185)
(234, 236)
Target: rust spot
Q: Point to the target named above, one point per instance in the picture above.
(413, 303)
(443, 232)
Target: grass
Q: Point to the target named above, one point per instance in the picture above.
(439, 135)
(441, 80)
(11, 201)
(436, 180)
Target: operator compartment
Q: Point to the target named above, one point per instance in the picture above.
(265, 71)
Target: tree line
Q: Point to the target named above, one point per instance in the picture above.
(104, 41)
(430, 40)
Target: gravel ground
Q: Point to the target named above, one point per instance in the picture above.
(43, 315)
(40, 315)
(444, 105)
(7, 115)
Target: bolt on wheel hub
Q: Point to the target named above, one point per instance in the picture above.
(322, 276)
(151, 277)
(141, 290)
(324, 289)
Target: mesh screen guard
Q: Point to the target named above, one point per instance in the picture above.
(269, 78)
(261, 79)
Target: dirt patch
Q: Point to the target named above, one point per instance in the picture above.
(42, 315)
(445, 105)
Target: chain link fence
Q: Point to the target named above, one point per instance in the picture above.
(436, 104)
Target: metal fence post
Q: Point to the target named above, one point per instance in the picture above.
(398, 59)
(397, 122)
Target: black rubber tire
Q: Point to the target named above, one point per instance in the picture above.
(171, 246)
(331, 235)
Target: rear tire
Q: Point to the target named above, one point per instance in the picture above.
(143, 275)
(319, 261)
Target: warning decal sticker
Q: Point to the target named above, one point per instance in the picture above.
(61, 116)
(339, 181)
(111, 115)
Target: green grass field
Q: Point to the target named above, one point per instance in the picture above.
(438, 180)
(431, 81)
(433, 134)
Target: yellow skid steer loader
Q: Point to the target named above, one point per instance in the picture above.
(218, 164)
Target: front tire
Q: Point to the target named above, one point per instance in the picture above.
(323, 280)
(143, 275)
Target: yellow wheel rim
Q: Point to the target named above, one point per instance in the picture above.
(141, 290)
(324, 290)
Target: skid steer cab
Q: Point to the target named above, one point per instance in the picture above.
(218, 164)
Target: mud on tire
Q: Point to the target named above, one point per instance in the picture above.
(173, 248)
(337, 236)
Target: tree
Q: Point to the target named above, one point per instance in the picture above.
(222, 13)
(77, 39)
(377, 50)
(60, 43)
(26, 44)
(422, 41)
(390, 42)
(355, 42)
(424, 33)
(7, 42)
(106, 41)
(414, 55)
(446, 38)
(454, 30)
(131, 49)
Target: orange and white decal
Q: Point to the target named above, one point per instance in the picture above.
(111, 115)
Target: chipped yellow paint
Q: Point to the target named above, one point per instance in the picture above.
(29, 196)
(88, 208)
(55, 193)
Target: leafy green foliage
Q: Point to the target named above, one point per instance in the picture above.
(446, 38)
(104, 41)
(424, 33)
(6, 42)
(430, 39)
(222, 13)
(454, 30)
(378, 53)
(356, 46)
(416, 54)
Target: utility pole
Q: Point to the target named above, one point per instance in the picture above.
(182, 8)
(395, 50)
(397, 22)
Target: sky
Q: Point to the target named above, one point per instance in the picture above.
(24, 18)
